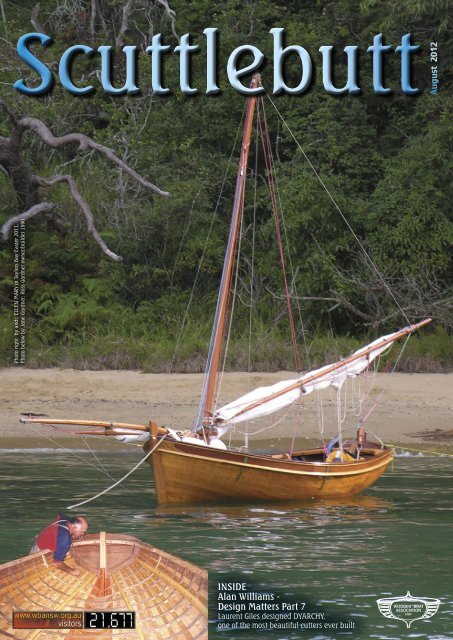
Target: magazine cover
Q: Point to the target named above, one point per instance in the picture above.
(226, 320)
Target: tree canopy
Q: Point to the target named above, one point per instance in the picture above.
(385, 159)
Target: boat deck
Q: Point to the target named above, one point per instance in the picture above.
(169, 595)
(368, 452)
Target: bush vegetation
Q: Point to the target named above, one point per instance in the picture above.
(386, 159)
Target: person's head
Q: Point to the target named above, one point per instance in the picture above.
(78, 527)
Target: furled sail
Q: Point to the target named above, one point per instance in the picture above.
(266, 400)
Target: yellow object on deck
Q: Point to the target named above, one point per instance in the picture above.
(339, 456)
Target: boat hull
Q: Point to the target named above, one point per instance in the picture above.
(116, 573)
(187, 473)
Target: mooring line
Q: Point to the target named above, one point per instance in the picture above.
(73, 506)
(438, 453)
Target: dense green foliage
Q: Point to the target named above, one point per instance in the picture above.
(385, 159)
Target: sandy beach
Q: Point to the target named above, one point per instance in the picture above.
(411, 408)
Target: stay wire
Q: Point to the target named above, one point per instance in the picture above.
(271, 184)
(252, 266)
(402, 448)
(292, 270)
(183, 237)
(233, 301)
(214, 215)
(73, 453)
(365, 253)
(294, 284)
(216, 315)
(101, 466)
(101, 493)
(364, 418)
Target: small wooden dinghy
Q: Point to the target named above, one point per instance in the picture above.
(117, 573)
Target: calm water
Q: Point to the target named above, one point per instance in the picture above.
(338, 558)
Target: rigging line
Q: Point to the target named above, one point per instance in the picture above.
(183, 237)
(437, 453)
(293, 272)
(340, 434)
(353, 396)
(252, 266)
(271, 426)
(296, 424)
(192, 293)
(377, 437)
(293, 283)
(320, 412)
(362, 387)
(73, 453)
(233, 301)
(354, 427)
(374, 267)
(345, 401)
(270, 180)
(101, 466)
(272, 190)
(363, 419)
(208, 365)
(79, 504)
(356, 395)
(362, 396)
(367, 387)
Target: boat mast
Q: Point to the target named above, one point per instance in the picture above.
(210, 384)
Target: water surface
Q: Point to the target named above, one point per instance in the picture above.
(338, 557)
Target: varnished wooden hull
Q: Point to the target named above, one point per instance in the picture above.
(168, 594)
(192, 473)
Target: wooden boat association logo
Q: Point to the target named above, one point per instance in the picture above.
(408, 608)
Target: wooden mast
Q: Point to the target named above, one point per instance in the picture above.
(218, 331)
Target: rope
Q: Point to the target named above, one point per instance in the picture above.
(437, 453)
(320, 412)
(233, 302)
(339, 421)
(296, 298)
(101, 466)
(376, 436)
(272, 190)
(271, 426)
(79, 504)
(183, 238)
(252, 268)
(364, 418)
(192, 293)
(370, 260)
(296, 424)
(73, 453)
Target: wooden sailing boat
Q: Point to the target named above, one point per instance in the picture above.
(196, 466)
(117, 573)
